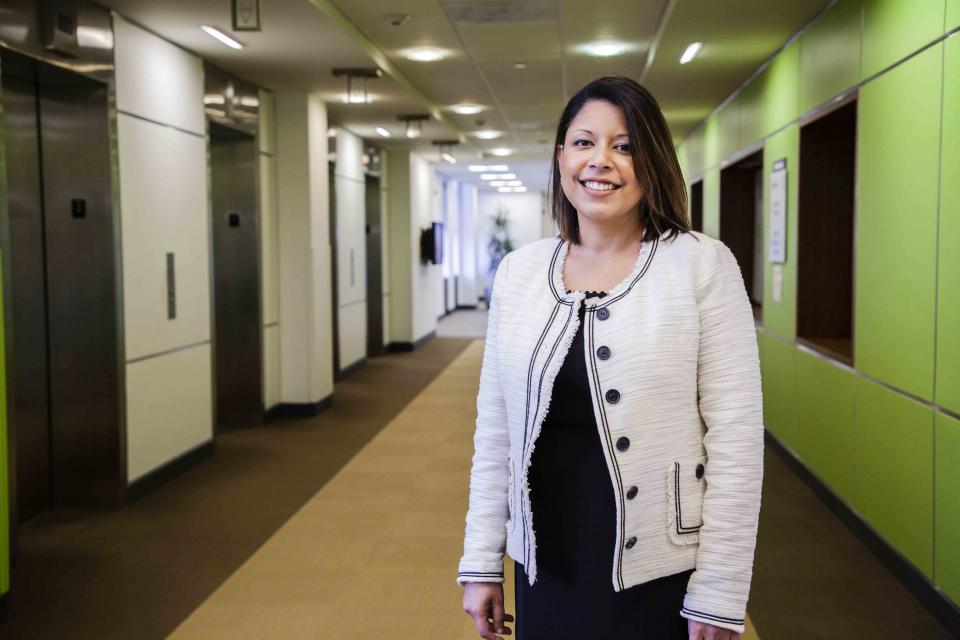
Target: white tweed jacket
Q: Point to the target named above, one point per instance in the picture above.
(673, 365)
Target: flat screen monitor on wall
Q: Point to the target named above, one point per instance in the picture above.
(431, 244)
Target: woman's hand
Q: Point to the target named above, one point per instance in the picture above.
(483, 601)
(703, 631)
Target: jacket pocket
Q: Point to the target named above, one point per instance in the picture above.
(686, 484)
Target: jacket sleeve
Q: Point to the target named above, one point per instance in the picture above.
(486, 532)
(731, 405)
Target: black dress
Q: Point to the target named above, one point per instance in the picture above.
(574, 519)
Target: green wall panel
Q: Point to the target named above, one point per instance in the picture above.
(830, 54)
(711, 203)
(777, 376)
(894, 469)
(711, 142)
(953, 15)
(948, 286)
(729, 123)
(751, 112)
(4, 460)
(781, 317)
(946, 572)
(896, 221)
(824, 408)
(893, 29)
(781, 89)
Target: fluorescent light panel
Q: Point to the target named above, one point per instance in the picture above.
(487, 168)
(691, 52)
(383, 132)
(221, 36)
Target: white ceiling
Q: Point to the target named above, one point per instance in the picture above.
(303, 40)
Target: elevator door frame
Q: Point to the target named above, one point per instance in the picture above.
(92, 465)
(226, 416)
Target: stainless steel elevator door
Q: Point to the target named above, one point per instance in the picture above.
(233, 175)
(63, 280)
(30, 398)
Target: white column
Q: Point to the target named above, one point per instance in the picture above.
(303, 237)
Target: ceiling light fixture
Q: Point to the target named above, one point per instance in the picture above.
(414, 124)
(497, 183)
(519, 189)
(520, 66)
(501, 151)
(357, 82)
(425, 54)
(487, 168)
(467, 109)
(221, 36)
(504, 189)
(514, 183)
(487, 134)
(605, 49)
(505, 176)
(444, 147)
(383, 132)
(691, 52)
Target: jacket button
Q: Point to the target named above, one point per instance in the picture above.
(631, 493)
(699, 471)
(632, 541)
(603, 313)
(603, 353)
(623, 443)
(613, 396)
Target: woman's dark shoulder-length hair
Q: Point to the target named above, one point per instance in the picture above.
(663, 207)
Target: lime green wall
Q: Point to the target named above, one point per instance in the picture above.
(896, 229)
(711, 202)
(825, 435)
(884, 434)
(777, 360)
(946, 570)
(830, 54)
(780, 317)
(893, 463)
(893, 29)
(948, 286)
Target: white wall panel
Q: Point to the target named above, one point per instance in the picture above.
(163, 194)
(271, 366)
(169, 408)
(156, 79)
(353, 334)
(467, 290)
(427, 290)
(524, 213)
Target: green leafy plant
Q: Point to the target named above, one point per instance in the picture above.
(500, 243)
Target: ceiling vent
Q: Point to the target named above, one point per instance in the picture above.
(493, 11)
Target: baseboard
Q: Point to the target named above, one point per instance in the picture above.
(467, 306)
(297, 409)
(164, 473)
(402, 347)
(350, 370)
(915, 581)
(3, 607)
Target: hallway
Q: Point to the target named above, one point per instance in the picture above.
(349, 526)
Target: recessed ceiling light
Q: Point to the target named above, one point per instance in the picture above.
(691, 52)
(467, 109)
(501, 151)
(221, 36)
(505, 176)
(497, 183)
(606, 49)
(504, 189)
(489, 176)
(487, 134)
(487, 168)
(448, 158)
(520, 65)
(383, 132)
(332, 132)
(514, 183)
(519, 189)
(424, 54)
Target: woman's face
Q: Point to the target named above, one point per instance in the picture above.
(596, 167)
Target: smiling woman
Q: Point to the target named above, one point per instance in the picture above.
(611, 353)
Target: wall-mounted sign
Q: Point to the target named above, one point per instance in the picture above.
(778, 212)
(246, 15)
